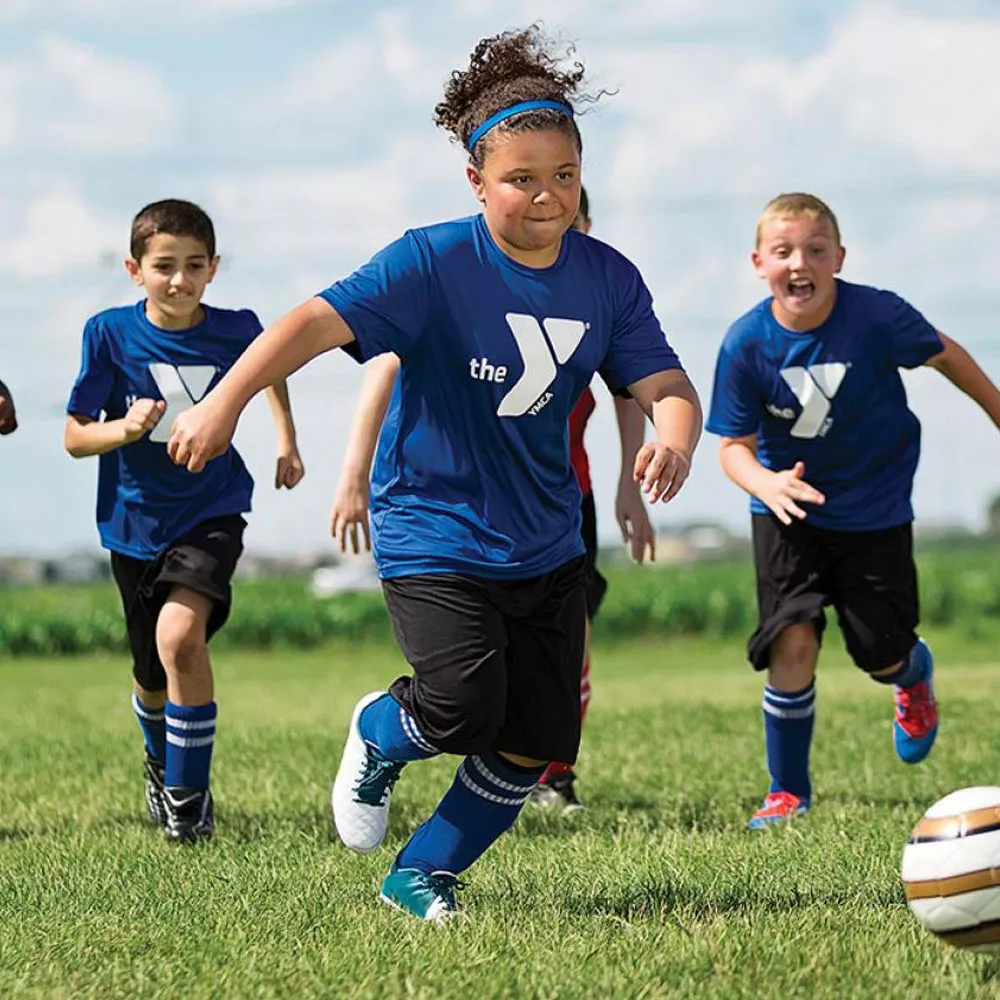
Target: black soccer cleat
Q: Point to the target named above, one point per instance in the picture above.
(153, 771)
(557, 794)
(190, 815)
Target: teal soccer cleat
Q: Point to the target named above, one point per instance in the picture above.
(429, 897)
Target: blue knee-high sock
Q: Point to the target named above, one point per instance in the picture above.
(912, 670)
(788, 730)
(485, 798)
(190, 736)
(388, 727)
(154, 728)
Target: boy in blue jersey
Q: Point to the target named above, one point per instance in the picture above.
(814, 425)
(500, 321)
(174, 537)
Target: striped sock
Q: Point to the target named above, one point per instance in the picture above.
(388, 727)
(485, 798)
(154, 728)
(190, 736)
(788, 730)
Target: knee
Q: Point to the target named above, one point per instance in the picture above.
(793, 656)
(180, 638)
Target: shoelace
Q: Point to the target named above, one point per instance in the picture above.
(915, 708)
(444, 885)
(379, 777)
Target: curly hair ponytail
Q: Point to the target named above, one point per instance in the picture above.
(504, 70)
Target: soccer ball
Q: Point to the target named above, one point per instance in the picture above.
(951, 869)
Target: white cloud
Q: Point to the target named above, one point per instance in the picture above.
(67, 97)
(57, 232)
(46, 11)
(363, 75)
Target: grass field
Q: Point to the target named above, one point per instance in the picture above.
(656, 890)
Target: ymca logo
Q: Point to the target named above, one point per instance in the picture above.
(181, 387)
(543, 347)
(814, 387)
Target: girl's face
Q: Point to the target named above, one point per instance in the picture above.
(529, 186)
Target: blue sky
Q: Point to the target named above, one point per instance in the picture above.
(305, 128)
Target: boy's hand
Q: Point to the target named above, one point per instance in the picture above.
(660, 470)
(289, 470)
(637, 532)
(8, 416)
(350, 511)
(142, 416)
(200, 434)
(784, 491)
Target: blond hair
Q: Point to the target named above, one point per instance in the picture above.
(790, 206)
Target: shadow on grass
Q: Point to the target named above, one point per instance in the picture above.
(242, 827)
(635, 812)
(679, 903)
(990, 971)
(13, 834)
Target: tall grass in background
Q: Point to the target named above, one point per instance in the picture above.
(960, 587)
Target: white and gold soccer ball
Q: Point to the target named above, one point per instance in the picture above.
(951, 869)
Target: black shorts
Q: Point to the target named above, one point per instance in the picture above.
(202, 559)
(596, 584)
(868, 576)
(496, 663)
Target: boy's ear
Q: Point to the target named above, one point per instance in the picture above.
(134, 271)
(757, 262)
(841, 254)
(213, 268)
(475, 179)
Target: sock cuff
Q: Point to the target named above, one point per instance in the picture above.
(177, 715)
(191, 726)
(146, 713)
(413, 733)
(491, 778)
(911, 671)
(790, 705)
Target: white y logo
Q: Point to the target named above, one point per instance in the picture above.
(814, 388)
(181, 388)
(540, 354)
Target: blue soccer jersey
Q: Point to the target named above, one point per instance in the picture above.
(472, 472)
(831, 398)
(144, 500)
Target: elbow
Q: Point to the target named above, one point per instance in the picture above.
(73, 445)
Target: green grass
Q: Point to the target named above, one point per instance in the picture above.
(656, 890)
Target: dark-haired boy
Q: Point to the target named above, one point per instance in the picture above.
(174, 537)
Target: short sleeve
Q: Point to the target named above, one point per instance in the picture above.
(638, 345)
(913, 340)
(92, 388)
(735, 410)
(386, 301)
(254, 327)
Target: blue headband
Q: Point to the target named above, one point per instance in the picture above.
(515, 109)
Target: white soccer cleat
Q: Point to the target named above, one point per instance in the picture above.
(362, 789)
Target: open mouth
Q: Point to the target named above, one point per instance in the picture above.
(800, 289)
